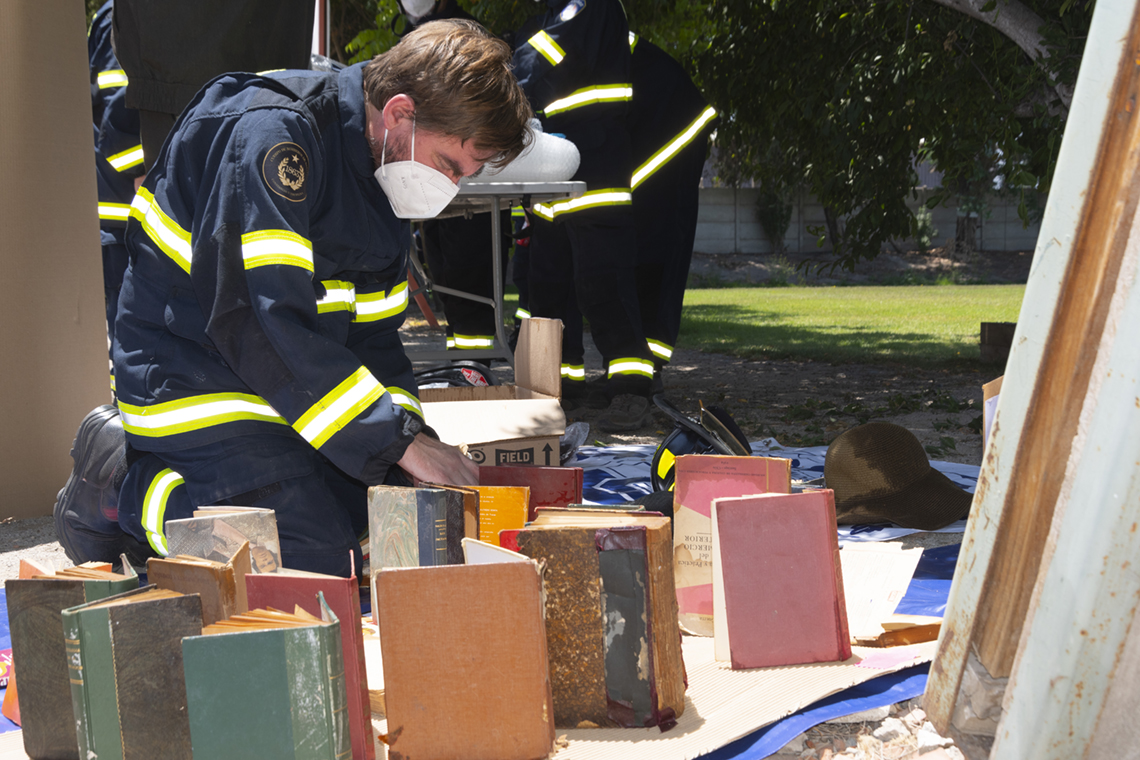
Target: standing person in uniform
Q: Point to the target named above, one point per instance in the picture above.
(170, 48)
(457, 250)
(576, 71)
(118, 159)
(670, 123)
(257, 350)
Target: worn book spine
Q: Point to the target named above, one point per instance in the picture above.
(630, 677)
(336, 684)
(81, 700)
(575, 623)
(431, 526)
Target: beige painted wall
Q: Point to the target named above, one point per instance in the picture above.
(54, 345)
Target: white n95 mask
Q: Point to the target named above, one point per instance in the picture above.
(415, 191)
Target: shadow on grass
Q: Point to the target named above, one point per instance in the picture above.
(751, 333)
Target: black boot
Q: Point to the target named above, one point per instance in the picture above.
(87, 508)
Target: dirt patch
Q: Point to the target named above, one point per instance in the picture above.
(806, 403)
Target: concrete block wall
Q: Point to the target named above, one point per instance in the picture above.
(726, 223)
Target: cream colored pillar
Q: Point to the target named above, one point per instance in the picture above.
(54, 344)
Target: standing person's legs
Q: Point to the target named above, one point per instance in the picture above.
(551, 282)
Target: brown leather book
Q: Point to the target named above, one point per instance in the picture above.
(465, 666)
(610, 578)
(35, 620)
(220, 584)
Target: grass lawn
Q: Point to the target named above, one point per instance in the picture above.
(926, 326)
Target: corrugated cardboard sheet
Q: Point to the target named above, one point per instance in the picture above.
(722, 705)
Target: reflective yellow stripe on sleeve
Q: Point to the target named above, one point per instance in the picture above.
(611, 196)
(339, 296)
(372, 307)
(126, 159)
(196, 413)
(632, 41)
(401, 397)
(340, 406)
(154, 508)
(164, 231)
(270, 247)
(672, 148)
(114, 212)
(550, 50)
(111, 78)
(603, 93)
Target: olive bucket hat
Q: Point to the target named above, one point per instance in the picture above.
(880, 473)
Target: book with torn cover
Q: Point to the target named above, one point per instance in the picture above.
(777, 581)
(287, 589)
(268, 685)
(35, 620)
(220, 584)
(217, 532)
(124, 659)
(549, 486)
(611, 617)
(700, 478)
(465, 666)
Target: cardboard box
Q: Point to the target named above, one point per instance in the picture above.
(508, 424)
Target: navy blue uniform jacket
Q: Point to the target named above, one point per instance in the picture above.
(268, 279)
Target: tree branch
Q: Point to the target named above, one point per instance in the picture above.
(1020, 24)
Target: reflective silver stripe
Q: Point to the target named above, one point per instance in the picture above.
(605, 197)
(632, 41)
(126, 159)
(672, 148)
(545, 44)
(114, 212)
(339, 296)
(371, 307)
(154, 508)
(269, 247)
(166, 234)
(340, 406)
(450, 342)
(658, 348)
(631, 366)
(603, 93)
(521, 313)
(574, 371)
(196, 413)
(111, 78)
(401, 397)
(474, 341)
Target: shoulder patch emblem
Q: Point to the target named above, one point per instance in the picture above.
(285, 169)
(572, 9)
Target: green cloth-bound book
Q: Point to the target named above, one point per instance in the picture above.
(268, 693)
(124, 658)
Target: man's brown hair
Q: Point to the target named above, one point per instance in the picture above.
(459, 76)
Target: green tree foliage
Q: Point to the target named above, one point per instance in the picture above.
(844, 96)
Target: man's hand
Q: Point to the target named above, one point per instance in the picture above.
(431, 461)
